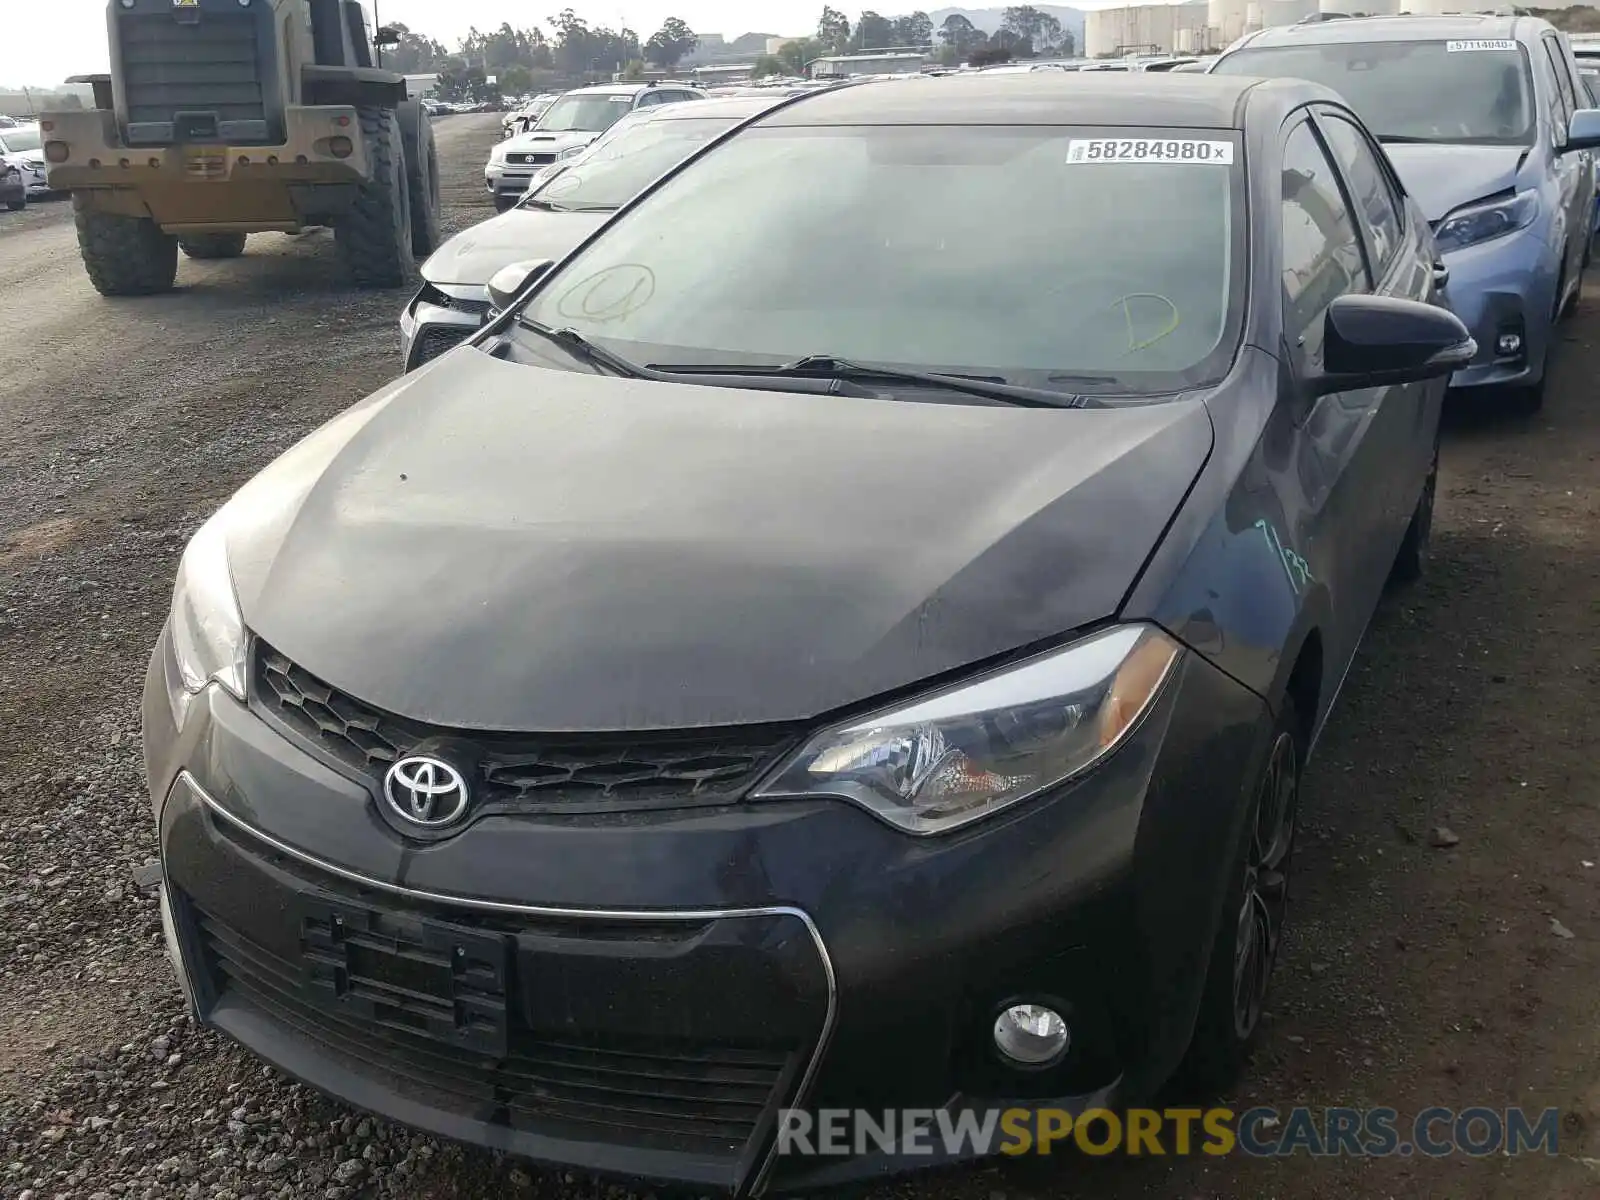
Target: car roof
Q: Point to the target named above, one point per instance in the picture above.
(1410, 28)
(1046, 98)
(623, 89)
(715, 106)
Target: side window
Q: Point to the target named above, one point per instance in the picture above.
(1561, 109)
(1375, 201)
(1321, 252)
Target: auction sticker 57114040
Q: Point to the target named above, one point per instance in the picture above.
(1150, 150)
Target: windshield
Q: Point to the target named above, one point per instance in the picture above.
(584, 114)
(19, 140)
(1069, 258)
(1476, 92)
(617, 167)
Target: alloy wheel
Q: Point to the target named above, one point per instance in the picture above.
(1266, 885)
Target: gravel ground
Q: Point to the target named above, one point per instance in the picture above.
(1415, 973)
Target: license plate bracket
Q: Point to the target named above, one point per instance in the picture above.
(430, 979)
(205, 162)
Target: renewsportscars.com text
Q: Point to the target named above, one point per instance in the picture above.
(1260, 1132)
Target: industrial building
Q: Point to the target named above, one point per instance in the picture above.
(1211, 25)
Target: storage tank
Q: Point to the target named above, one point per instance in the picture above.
(1287, 12)
(1252, 16)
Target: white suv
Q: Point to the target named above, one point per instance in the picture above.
(566, 127)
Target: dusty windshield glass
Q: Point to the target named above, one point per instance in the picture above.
(584, 114)
(1475, 92)
(617, 170)
(1050, 257)
(18, 141)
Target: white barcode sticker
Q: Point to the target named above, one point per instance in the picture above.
(1149, 150)
(1480, 44)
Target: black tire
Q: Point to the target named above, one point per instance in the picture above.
(125, 256)
(1526, 401)
(1246, 946)
(212, 245)
(1571, 306)
(374, 235)
(18, 204)
(422, 177)
(1411, 563)
(504, 203)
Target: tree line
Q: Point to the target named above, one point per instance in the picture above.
(1024, 32)
(520, 61)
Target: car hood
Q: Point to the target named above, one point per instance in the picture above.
(547, 143)
(493, 546)
(474, 255)
(1442, 178)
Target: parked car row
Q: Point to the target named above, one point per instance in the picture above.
(568, 125)
(22, 166)
(1489, 123)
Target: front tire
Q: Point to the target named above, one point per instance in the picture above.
(422, 177)
(374, 236)
(125, 256)
(1255, 906)
(212, 245)
(19, 204)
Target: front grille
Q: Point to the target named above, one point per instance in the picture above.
(434, 340)
(211, 66)
(675, 1095)
(531, 159)
(527, 772)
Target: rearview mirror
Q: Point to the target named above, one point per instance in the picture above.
(1583, 131)
(388, 35)
(508, 283)
(1372, 341)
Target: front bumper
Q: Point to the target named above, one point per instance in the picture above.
(429, 328)
(510, 180)
(1502, 286)
(642, 996)
(269, 187)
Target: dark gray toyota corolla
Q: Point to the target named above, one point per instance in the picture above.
(848, 637)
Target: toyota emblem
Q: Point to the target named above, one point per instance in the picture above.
(426, 791)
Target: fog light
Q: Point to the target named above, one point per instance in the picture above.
(57, 152)
(127, 3)
(1508, 344)
(341, 147)
(1031, 1035)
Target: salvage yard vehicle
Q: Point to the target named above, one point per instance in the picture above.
(13, 191)
(697, 697)
(566, 127)
(222, 118)
(21, 146)
(554, 218)
(1487, 120)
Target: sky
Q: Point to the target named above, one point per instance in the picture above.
(46, 42)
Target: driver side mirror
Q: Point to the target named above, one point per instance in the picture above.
(1583, 131)
(386, 36)
(508, 283)
(1373, 341)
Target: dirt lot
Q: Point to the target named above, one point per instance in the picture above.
(1415, 975)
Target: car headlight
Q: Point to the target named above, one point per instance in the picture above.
(570, 152)
(1480, 222)
(938, 763)
(208, 638)
(497, 156)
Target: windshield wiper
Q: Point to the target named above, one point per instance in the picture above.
(575, 344)
(1404, 139)
(828, 366)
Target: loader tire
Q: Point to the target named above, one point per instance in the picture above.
(422, 177)
(212, 245)
(125, 256)
(374, 234)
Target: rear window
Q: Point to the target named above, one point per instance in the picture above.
(1080, 259)
(622, 163)
(1472, 92)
